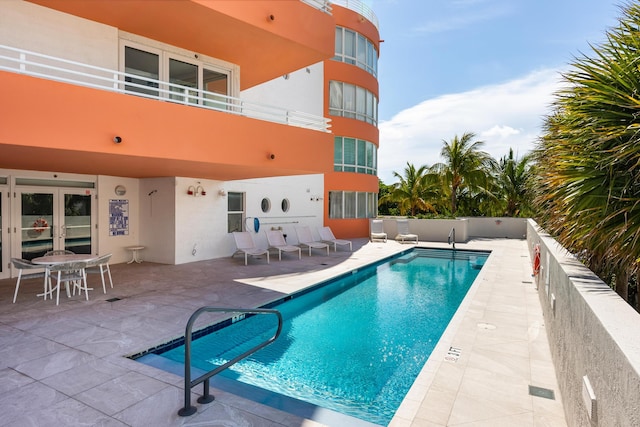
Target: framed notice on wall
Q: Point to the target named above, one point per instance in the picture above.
(118, 217)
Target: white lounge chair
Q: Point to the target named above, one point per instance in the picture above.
(403, 231)
(377, 230)
(246, 246)
(276, 241)
(306, 239)
(326, 235)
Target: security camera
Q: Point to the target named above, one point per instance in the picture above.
(117, 139)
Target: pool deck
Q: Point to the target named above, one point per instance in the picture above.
(64, 365)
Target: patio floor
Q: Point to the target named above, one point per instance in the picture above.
(64, 365)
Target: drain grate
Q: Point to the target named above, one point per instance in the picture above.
(113, 299)
(541, 392)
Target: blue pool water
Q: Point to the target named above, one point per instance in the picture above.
(354, 345)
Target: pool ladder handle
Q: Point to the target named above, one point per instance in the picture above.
(206, 397)
(452, 237)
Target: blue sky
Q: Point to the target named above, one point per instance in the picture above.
(483, 66)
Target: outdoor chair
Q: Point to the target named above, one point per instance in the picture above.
(276, 241)
(403, 231)
(305, 239)
(377, 230)
(59, 252)
(21, 265)
(245, 245)
(327, 236)
(68, 273)
(100, 266)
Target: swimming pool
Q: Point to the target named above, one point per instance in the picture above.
(354, 344)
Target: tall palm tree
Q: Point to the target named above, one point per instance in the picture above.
(589, 156)
(514, 177)
(411, 192)
(465, 168)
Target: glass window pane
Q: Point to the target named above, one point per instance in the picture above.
(335, 204)
(215, 84)
(337, 150)
(143, 64)
(77, 223)
(349, 100)
(338, 41)
(349, 153)
(362, 153)
(362, 205)
(183, 74)
(335, 95)
(362, 51)
(349, 204)
(349, 45)
(235, 202)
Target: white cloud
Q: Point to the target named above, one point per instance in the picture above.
(504, 116)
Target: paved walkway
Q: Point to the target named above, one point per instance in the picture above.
(64, 365)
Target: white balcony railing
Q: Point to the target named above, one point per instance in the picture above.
(76, 73)
(323, 5)
(360, 7)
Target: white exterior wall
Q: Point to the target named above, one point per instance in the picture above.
(302, 91)
(36, 28)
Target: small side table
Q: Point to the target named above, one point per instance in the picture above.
(135, 253)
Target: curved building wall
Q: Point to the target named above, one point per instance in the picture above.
(351, 192)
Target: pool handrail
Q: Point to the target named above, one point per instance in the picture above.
(206, 397)
(452, 233)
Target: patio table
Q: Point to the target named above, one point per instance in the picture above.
(57, 260)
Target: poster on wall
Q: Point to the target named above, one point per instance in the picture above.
(118, 217)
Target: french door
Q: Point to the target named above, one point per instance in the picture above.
(54, 218)
(5, 270)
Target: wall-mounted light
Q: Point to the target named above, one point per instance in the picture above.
(272, 156)
(192, 190)
(117, 139)
(222, 193)
(271, 18)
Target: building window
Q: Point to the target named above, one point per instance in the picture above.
(265, 205)
(354, 48)
(352, 204)
(185, 80)
(355, 102)
(354, 155)
(235, 211)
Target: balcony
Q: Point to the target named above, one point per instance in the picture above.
(267, 39)
(63, 115)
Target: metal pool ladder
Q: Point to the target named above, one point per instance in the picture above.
(452, 237)
(188, 383)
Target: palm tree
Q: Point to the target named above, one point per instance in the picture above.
(411, 192)
(466, 169)
(513, 185)
(589, 156)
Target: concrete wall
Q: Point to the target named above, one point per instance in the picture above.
(593, 333)
(437, 230)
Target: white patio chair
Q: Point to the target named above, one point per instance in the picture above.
(59, 252)
(68, 273)
(276, 241)
(305, 239)
(246, 246)
(21, 265)
(327, 236)
(377, 230)
(100, 266)
(403, 231)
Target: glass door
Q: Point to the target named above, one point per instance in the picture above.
(52, 219)
(5, 270)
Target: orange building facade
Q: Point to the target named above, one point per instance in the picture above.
(170, 124)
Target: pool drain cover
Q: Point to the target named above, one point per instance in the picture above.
(541, 392)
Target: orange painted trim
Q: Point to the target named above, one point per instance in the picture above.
(54, 126)
(353, 74)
